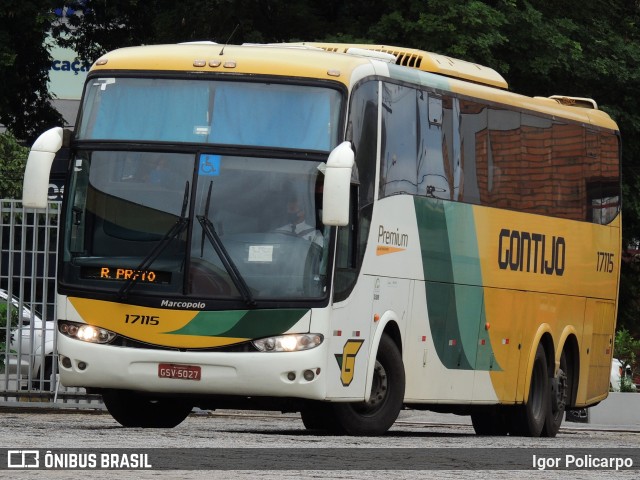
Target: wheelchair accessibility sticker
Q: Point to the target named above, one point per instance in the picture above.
(209, 165)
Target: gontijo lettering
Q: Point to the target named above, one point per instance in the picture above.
(531, 252)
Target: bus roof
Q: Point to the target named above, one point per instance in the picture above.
(337, 62)
(427, 62)
(304, 62)
(292, 61)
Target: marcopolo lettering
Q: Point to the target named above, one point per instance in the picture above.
(531, 252)
(185, 305)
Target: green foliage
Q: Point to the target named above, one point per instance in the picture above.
(627, 385)
(626, 349)
(24, 68)
(4, 317)
(7, 313)
(13, 158)
(586, 48)
(471, 30)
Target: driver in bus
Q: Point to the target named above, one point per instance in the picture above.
(297, 225)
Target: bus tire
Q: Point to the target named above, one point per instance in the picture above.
(491, 421)
(131, 409)
(558, 399)
(380, 411)
(46, 384)
(529, 419)
(320, 416)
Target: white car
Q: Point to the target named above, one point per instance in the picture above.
(33, 340)
(617, 374)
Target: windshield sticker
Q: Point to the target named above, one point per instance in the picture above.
(260, 253)
(209, 165)
(200, 130)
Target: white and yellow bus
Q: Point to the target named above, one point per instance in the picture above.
(340, 230)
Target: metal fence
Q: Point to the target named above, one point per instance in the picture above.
(28, 260)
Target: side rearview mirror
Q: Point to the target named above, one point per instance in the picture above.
(35, 185)
(337, 181)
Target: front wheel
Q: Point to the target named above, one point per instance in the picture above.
(320, 416)
(376, 415)
(132, 409)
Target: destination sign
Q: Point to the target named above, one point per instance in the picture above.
(116, 273)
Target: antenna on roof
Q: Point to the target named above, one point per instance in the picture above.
(228, 40)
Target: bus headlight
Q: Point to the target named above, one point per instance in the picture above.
(86, 333)
(289, 343)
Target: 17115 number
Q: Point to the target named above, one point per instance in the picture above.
(605, 262)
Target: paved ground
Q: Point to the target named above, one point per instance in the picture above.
(246, 433)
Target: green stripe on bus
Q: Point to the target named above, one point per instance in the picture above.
(453, 283)
(242, 323)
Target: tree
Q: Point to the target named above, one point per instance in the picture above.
(626, 349)
(13, 158)
(587, 48)
(8, 317)
(99, 26)
(25, 106)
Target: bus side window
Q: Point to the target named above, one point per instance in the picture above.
(347, 252)
(433, 177)
(352, 239)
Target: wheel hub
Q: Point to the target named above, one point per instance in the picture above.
(559, 391)
(378, 388)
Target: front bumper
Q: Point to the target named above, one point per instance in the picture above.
(222, 373)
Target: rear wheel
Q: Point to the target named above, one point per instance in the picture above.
(132, 409)
(529, 419)
(376, 415)
(560, 387)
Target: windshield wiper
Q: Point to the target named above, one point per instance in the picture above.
(227, 261)
(160, 247)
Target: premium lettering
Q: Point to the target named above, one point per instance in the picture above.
(396, 239)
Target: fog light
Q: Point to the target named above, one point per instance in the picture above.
(82, 365)
(308, 375)
(66, 362)
(291, 376)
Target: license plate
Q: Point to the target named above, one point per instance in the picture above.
(182, 372)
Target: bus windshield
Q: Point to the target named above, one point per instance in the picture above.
(213, 112)
(248, 229)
